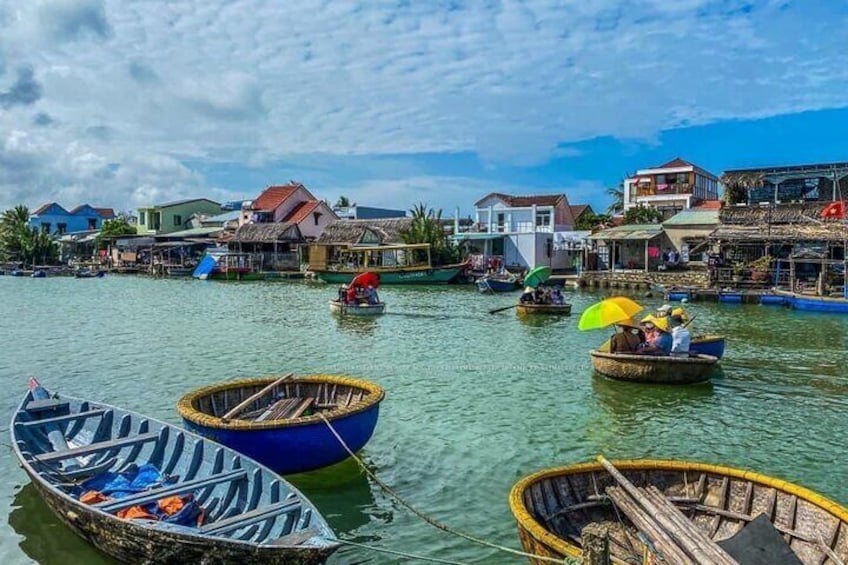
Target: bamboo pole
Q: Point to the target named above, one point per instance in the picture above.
(246, 402)
(701, 549)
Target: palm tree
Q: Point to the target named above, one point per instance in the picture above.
(617, 195)
(427, 228)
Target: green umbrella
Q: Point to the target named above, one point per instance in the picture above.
(537, 276)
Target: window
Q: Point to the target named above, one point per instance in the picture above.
(141, 218)
(660, 179)
(45, 227)
(543, 219)
(501, 222)
(92, 223)
(155, 220)
(178, 220)
(316, 216)
(61, 228)
(682, 178)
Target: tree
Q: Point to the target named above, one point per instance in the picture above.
(617, 195)
(589, 221)
(114, 228)
(342, 202)
(643, 215)
(427, 228)
(19, 242)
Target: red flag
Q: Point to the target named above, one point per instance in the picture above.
(834, 211)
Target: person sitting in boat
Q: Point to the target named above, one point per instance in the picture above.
(557, 297)
(342, 293)
(663, 311)
(539, 295)
(351, 295)
(627, 337)
(680, 338)
(657, 339)
(526, 296)
(371, 295)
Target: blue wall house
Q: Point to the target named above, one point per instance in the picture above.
(53, 219)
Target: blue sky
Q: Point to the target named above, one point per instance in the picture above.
(395, 102)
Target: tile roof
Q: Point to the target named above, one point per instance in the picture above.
(273, 196)
(708, 205)
(301, 211)
(577, 209)
(106, 213)
(676, 162)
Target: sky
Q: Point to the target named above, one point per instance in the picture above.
(125, 104)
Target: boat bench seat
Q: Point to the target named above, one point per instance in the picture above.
(45, 404)
(95, 447)
(153, 495)
(238, 521)
(67, 418)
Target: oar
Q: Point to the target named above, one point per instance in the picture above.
(496, 310)
(692, 319)
(245, 403)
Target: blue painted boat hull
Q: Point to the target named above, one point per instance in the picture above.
(818, 305)
(678, 296)
(708, 346)
(730, 298)
(772, 299)
(288, 445)
(495, 285)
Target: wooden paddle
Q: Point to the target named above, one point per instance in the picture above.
(246, 402)
(690, 320)
(502, 309)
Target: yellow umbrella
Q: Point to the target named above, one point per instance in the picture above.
(606, 312)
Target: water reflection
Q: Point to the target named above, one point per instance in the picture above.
(46, 540)
(541, 320)
(363, 325)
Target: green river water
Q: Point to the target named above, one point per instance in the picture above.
(474, 401)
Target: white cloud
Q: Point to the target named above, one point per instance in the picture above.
(124, 84)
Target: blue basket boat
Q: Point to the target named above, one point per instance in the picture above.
(143, 491)
(280, 423)
(497, 284)
(707, 345)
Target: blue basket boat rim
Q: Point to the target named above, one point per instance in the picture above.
(186, 406)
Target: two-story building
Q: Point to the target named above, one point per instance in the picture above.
(173, 216)
(290, 204)
(53, 219)
(672, 187)
(520, 230)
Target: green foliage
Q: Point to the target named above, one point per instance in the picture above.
(342, 202)
(735, 193)
(589, 221)
(113, 228)
(643, 215)
(427, 228)
(19, 243)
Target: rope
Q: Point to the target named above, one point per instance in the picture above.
(399, 553)
(431, 521)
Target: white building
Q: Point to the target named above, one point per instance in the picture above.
(672, 187)
(523, 231)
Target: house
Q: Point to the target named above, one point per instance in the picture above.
(356, 212)
(689, 230)
(290, 204)
(629, 247)
(520, 231)
(272, 246)
(173, 216)
(671, 187)
(343, 235)
(53, 219)
(581, 212)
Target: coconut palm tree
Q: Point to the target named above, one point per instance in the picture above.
(617, 195)
(427, 228)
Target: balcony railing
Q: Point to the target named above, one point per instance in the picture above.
(676, 188)
(517, 227)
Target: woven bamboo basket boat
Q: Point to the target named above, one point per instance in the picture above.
(547, 309)
(662, 369)
(553, 506)
(357, 309)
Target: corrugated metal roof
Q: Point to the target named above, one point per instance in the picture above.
(193, 232)
(693, 217)
(629, 232)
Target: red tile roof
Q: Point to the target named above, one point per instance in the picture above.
(708, 205)
(106, 213)
(577, 209)
(676, 162)
(273, 196)
(301, 211)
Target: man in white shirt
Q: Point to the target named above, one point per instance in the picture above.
(680, 338)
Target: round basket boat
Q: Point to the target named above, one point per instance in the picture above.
(357, 309)
(282, 428)
(553, 506)
(548, 309)
(662, 369)
(708, 344)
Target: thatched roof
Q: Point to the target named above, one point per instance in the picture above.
(266, 233)
(825, 231)
(797, 213)
(350, 232)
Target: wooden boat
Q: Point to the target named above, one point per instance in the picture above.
(395, 264)
(495, 283)
(553, 506)
(662, 369)
(708, 344)
(339, 307)
(814, 303)
(38, 274)
(89, 274)
(249, 514)
(281, 428)
(546, 309)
